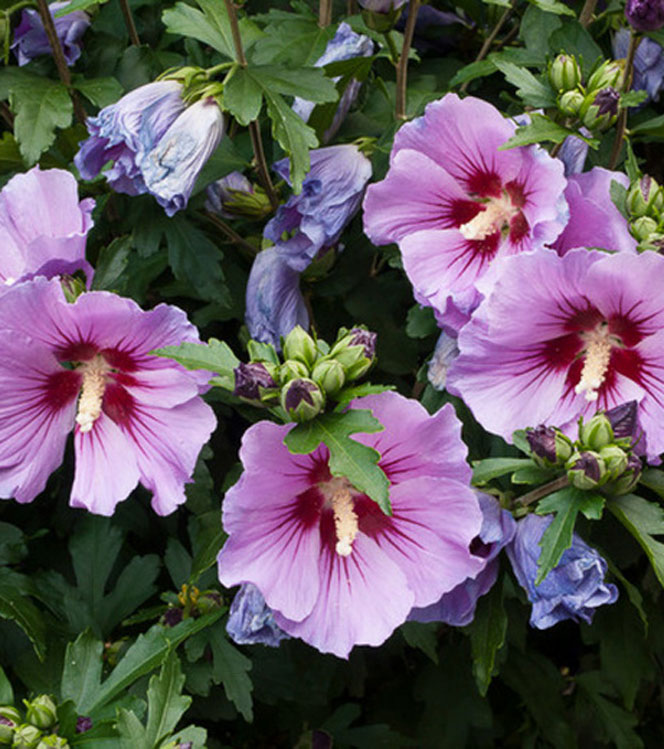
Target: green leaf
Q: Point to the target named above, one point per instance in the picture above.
(41, 105)
(421, 322)
(422, 635)
(653, 478)
(347, 457)
(78, 5)
(616, 723)
(111, 263)
(532, 90)
(243, 96)
(309, 83)
(475, 70)
(293, 135)
(81, 674)
(6, 691)
(633, 98)
(232, 669)
(345, 396)
(15, 605)
(215, 356)
(487, 635)
(291, 39)
(493, 468)
(131, 731)
(643, 520)
(532, 474)
(10, 155)
(207, 539)
(652, 126)
(565, 503)
(553, 6)
(195, 259)
(573, 39)
(618, 194)
(100, 91)
(541, 129)
(166, 704)
(211, 28)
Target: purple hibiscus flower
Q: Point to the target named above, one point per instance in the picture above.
(124, 131)
(312, 222)
(86, 366)
(345, 45)
(594, 220)
(572, 590)
(333, 568)
(561, 337)
(44, 226)
(455, 203)
(30, 39)
(457, 607)
(648, 63)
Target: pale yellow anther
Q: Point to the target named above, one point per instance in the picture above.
(92, 392)
(497, 214)
(596, 364)
(338, 493)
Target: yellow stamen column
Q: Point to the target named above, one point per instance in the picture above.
(92, 392)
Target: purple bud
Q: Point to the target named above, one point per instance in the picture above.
(623, 419)
(607, 101)
(299, 391)
(249, 378)
(172, 616)
(365, 338)
(185, 745)
(542, 441)
(83, 724)
(589, 465)
(6, 722)
(645, 15)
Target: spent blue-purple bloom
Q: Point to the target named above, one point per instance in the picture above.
(123, 132)
(171, 167)
(457, 607)
(274, 301)
(345, 45)
(30, 39)
(250, 620)
(648, 63)
(572, 590)
(331, 195)
(444, 354)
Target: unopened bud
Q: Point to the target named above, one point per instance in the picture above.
(9, 712)
(645, 15)
(596, 433)
(355, 351)
(53, 740)
(7, 727)
(292, 370)
(234, 196)
(549, 446)
(609, 73)
(299, 345)
(614, 459)
(623, 420)
(252, 380)
(585, 470)
(83, 724)
(600, 109)
(645, 198)
(381, 15)
(643, 228)
(41, 712)
(302, 399)
(570, 102)
(329, 375)
(26, 736)
(564, 73)
(629, 478)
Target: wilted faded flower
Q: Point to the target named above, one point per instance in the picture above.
(572, 590)
(87, 367)
(43, 226)
(335, 570)
(345, 45)
(250, 620)
(648, 63)
(30, 39)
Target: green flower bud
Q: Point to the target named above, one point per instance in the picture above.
(53, 740)
(26, 737)
(7, 727)
(299, 345)
(654, 243)
(329, 375)
(600, 109)
(643, 228)
(629, 479)
(292, 370)
(609, 73)
(355, 350)
(645, 198)
(596, 433)
(11, 713)
(571, 102)
(614, 459)
(564, 73)
(302, 399)
(41, 712)
(586, 470)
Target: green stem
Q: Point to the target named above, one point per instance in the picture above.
(586, 15)
(542, 491)
(254, 128)
(484, 50)
(129, 23)
(59, 57)
(391, 47)
(232, 234)
(324, 13)
(18, 6)
(218, 68)
(402, 67)
(634, 41)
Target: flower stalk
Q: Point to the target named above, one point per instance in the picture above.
(634, 41)
(129, 23)
(586, 15)
(542, 491)
(324, 13)
(402, 67)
